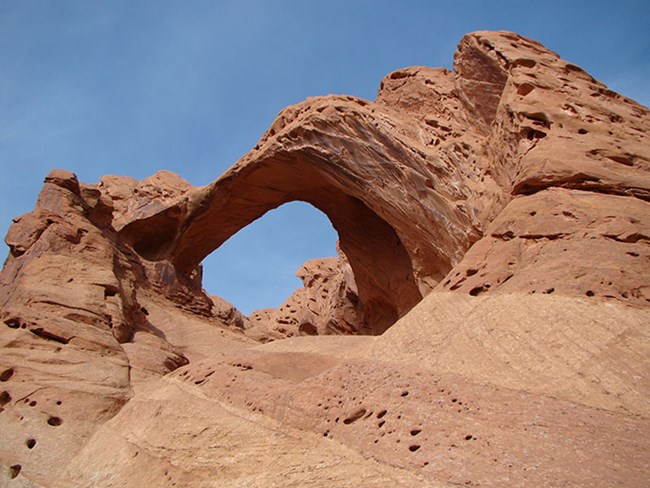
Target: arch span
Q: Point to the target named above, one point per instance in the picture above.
(381, 265)
(400, 214)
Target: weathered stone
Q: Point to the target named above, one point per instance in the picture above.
(494, 239)
(328, 303)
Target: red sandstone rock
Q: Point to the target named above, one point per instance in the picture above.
(511, 193)
(328, 303)
(74, 335)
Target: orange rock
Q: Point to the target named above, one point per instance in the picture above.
(494, 235)
(328, 303)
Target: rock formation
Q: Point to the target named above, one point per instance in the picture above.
(328, 303)
(494, 269)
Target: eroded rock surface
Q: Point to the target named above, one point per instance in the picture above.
(75, 334)
(328, 303)
(494, 235)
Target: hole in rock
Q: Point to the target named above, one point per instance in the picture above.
(256, 268)
(55, 421)
(15, 470)
(524, 89)
(5, 398)
(13, 323)
(30, 443)
(110, 291)
(532, 134)
(308, 329)
(44, 334)
(527, 63)
(255, 261)
(356, 415)
(477, 290)
(6, 374)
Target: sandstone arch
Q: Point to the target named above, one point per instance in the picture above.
(402, 214)
(381, 264)
(400, 179)
(337, 154)
(410, 181)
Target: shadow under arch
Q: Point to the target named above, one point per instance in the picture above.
(381, 264)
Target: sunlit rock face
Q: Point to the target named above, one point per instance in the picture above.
(493, 230)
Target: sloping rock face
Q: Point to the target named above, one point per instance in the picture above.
(515, 177)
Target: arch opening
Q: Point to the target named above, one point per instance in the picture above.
(256, 267)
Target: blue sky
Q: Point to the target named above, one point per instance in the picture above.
(131, 87)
